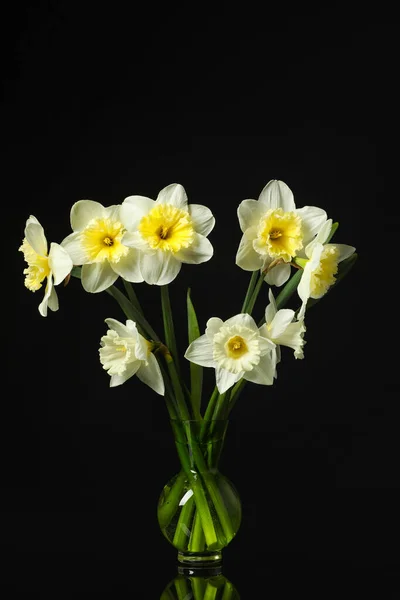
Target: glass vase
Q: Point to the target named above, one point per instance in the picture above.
(199, 510)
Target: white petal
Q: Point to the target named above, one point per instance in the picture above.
(142, 350)
(97, 277)
(52, 301)
(246, 257)
(72, 244)
(312, 219)
(213, 326)
(133, 209)
(131, 369)
(249, 214)
(278, 275)
(199, 251)
(119, 327)
(271, 309)
(60, 262)
(320, 238)
(242, 320)
(134, 239)
(263, 373)
(344, 250)
(151, 375)
(264, 343)
(277, 194)
(202, 217)
(84, 211)
(303, 289)
(282, 319)
(34, 234)
(112, 212)
(173, 194)
(200, 352)
(159, 268)
(50, 298)
(225, 379)
(292, 337)
(128, 266)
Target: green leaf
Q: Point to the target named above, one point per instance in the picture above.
(196, 371)
(289, 289)
(131, 312)
(333, 231)
(168, 323)
(76, 272)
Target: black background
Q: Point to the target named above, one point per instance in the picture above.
(103, 103)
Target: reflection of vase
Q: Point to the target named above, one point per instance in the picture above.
(199, 510)
(200, 585)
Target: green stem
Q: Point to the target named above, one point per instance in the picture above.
(214, 492)
(132, 295)
(235, 393)
(170, 506)
(250, 290)
(254, 295)
(199, 497)
(183, 528)
(197, 540)
(184, 414)
(169, 325)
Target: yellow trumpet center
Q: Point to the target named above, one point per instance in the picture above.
(279, 234)
(38, 267)
(102, 240)
(324, 275)
(236, 347)
(167, 228)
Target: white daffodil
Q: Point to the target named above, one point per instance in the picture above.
(281, 328)
(235, 348)
(54, 265)
(96, 243)
(274, 231)
(168, 232)
(124, 353)
(320, 266)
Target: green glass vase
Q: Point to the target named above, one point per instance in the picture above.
(199, 510)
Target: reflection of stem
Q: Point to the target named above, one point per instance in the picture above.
(198, 587)
(228, 591)
(167, 595)
(211, 592)
(182, 588)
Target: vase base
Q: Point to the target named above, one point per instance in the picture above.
(200, 558)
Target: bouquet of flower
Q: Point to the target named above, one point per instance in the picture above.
(146, 240)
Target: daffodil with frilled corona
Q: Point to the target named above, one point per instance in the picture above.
(274, 231)
(96, 244)
(167, 232)
(320, 266)
(282, 328)
(53, 266)
(124, 352)
(236, 349)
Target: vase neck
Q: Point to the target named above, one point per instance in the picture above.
(202, 439)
